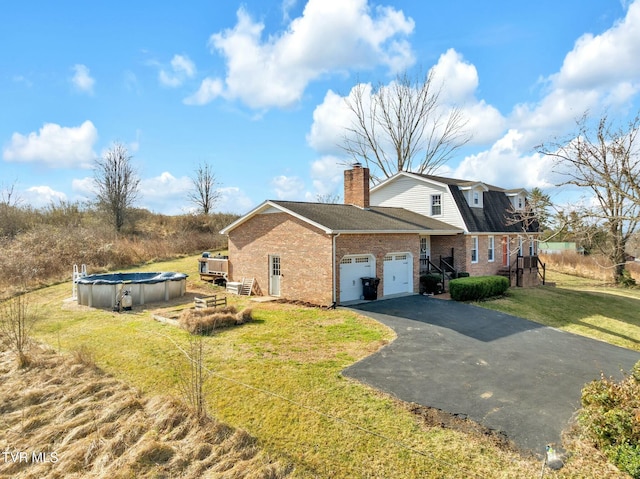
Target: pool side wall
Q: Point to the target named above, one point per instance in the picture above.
(105, 295)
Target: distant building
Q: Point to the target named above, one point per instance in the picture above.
(557, 247)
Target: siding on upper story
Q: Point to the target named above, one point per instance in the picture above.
(415, 195)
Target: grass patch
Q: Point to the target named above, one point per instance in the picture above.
(578, 305)
(278, 377)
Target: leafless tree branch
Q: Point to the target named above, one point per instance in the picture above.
(403, 126)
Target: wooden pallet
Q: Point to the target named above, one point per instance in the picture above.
(210, 302)
(244, 287)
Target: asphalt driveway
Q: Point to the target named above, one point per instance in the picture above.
(507, 373)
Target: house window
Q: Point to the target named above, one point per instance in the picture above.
(520, 205)
(476, 198)
(436, 205)
(474, 249)
(423, 247)
(532, 246)
(491, 249)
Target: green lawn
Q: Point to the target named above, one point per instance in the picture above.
(279, 378)
(580, 306)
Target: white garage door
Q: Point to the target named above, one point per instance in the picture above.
(352, 268)
(398, 273)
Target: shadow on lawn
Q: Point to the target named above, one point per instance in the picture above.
(564, 307)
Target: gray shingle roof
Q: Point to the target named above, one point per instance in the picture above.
(349, 218)
(456, 182)
(494, 217)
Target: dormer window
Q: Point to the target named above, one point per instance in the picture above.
(517, 199)
(476, 198)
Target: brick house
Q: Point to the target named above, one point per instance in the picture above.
(318, 252)
(493, 238)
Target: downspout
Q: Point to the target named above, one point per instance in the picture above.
(333, 252)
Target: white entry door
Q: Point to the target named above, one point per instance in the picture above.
(352, 269)
(397, 273)
(274, 275)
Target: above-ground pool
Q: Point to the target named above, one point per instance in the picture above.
(106, 290)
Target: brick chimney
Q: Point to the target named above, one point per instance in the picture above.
(356, 186)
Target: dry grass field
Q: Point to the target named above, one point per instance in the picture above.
(62, 417)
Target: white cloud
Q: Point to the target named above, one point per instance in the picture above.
(181, 69)
(287, 5)
(233, 200)
(55, 146)
(603, 61)
(288, 187)
(39, 196)
(164, 186)
(85, 187)
(209, 90)
(600, 71)
(508, 163)
(82, 79)
(458, 78)
(330, 118)
(458, 81)
(327, 175)
(330, 36)
(165, 193)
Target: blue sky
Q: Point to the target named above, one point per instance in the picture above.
(256, 88)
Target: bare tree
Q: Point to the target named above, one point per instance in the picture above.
(16, 322)
(204, 194)
(603, 160)
(328, 198)
(11, 221)
(117, 183)
(192, 381)
(403, 126)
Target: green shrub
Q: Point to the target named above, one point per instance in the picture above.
(610, 416)
(431, 283)
(627, 280)
(477, 287)
(627, 458)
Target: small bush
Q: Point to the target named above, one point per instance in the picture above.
(627, 280)
(477, 287)
(431, 283)
(610, 416)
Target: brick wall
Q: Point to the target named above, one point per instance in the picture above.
(305, 256)
(379, 245)
(441, 246)
(462, 244)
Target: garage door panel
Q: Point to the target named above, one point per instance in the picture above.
(352, 268)
(397, 274)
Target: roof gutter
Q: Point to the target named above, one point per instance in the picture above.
(421, 232)
(333, 253)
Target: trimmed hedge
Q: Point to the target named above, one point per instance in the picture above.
(477, 287)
